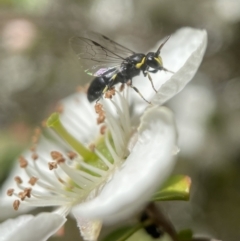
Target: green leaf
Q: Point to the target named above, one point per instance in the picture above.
(117, 234)
(175, 188)
(185, 235)
(138, 235)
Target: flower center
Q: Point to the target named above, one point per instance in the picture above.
(59, 178)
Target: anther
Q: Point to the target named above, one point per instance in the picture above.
(32, 180)
(60, 160)
(100, 119)
(101, 115)
(110, 93)
(121, 88)
(71, 155)
(16, 204)
(56, 155)
(27, 192)
(52, 165)
(91, 147)
(99, 108)
(10, 192)
(103, 129)
(23, 162)
(34, 156)
(18, 180)
(21, 195)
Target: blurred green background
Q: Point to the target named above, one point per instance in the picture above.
(37, 68)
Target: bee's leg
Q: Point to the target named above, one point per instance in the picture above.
(111, 83)
(106, 88)
(99, 97)
(168, 70)
(150, 78)
(130, 84)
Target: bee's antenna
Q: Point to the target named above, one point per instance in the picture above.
(160, 47)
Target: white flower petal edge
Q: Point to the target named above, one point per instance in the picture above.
(197, 44)
(6, 208)
(89, 229)
(148, 165)
(28, 227)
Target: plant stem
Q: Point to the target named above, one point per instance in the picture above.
(137, 227)
(159, 219)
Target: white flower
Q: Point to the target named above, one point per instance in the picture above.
(20, 229)
(127, 161)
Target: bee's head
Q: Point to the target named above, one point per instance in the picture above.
(154, 61)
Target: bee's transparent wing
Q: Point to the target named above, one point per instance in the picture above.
(97, 52)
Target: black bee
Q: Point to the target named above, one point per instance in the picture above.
(111, 63)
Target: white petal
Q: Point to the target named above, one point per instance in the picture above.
(79, 117)
(89, 229)
(148, 165)
(28, 227)
(190, 57)
(7, 211)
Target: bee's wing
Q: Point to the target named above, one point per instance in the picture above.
(97, 52)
